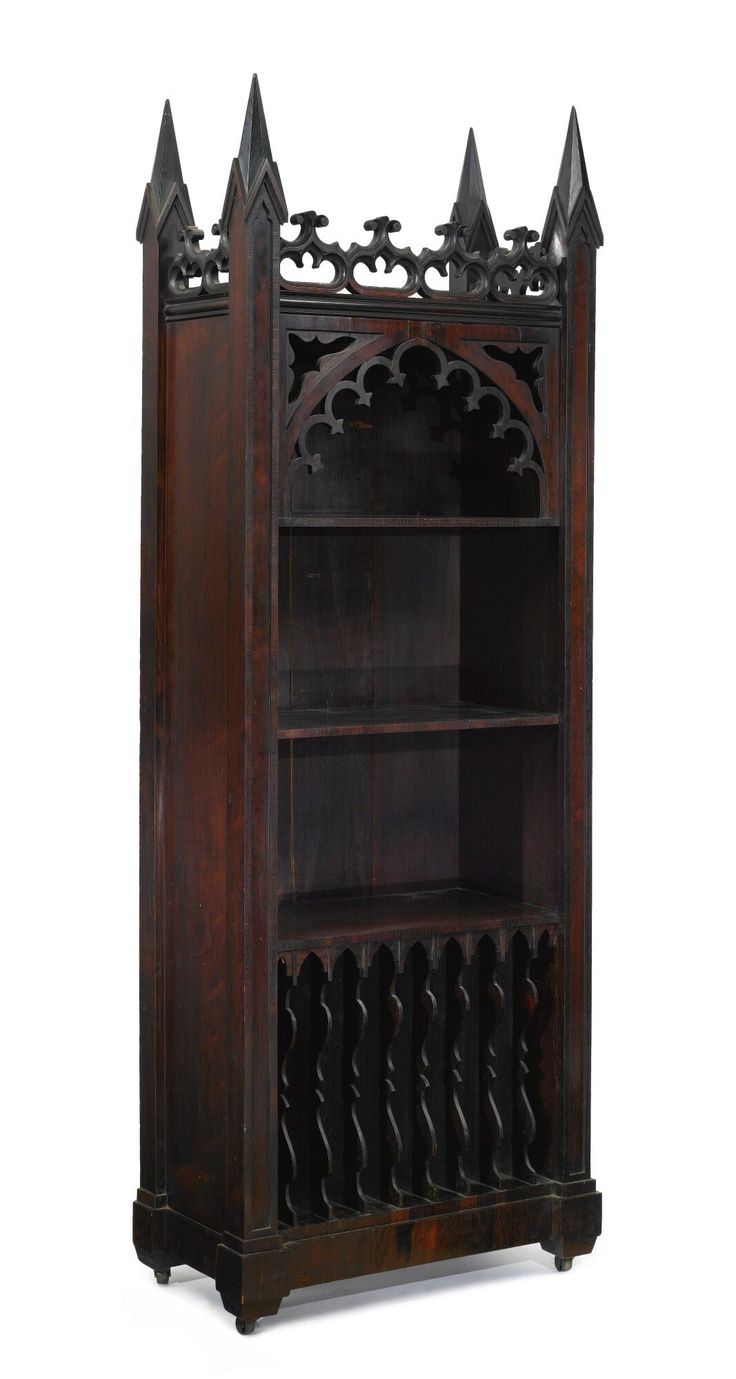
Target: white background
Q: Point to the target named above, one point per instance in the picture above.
(368, 108)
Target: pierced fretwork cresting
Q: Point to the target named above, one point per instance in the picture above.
(452, 1042)
(195, 271)
(479, 393)
(520, 273)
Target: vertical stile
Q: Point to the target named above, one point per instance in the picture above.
(541, 1044)
(572, 235)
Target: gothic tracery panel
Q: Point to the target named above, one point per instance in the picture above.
(427, 433)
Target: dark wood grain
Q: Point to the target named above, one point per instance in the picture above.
(365, 736)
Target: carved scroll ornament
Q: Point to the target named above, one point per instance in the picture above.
(519, 272)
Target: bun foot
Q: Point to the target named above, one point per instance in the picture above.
(245, 1325)
(562, 1265)
(162, 1275)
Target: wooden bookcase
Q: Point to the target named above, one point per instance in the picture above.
(365, 736)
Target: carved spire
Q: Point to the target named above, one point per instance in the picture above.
(255, 148)
(572, 179)
(572, 200)
(166, 176)
(471, 207)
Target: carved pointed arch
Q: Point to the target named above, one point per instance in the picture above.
(332, 369)
(514, 411)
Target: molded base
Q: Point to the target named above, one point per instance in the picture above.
(564, 1218)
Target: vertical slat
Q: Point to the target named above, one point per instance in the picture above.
(392, 1147)
(311, 1146)
(525, 1003)
(339, 1066)
(322, 1161)
(457, 1009)
(356, 1022)
(286, 1038)
(425, 1009)
(491, 1008)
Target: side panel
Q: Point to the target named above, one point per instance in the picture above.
(195, 767)
(580, 315)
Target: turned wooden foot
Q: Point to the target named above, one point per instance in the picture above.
(562, 1264)
(162, 1275)
(245, 1325)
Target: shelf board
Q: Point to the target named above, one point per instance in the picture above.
(415, 522)
(375, 720)
(320, 922)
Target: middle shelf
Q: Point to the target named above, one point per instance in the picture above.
(377, 719)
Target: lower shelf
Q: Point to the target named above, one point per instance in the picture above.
(324, 922)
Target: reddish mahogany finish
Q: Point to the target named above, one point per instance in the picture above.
(365, 737)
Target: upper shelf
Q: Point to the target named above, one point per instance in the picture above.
(406, 718)
(415, 523)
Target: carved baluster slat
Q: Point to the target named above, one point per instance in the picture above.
(311, 1145)
(424, 1012)
(457, 1010)
(341, 1075)
(357, 1022)
(286, 1039)
(526, 999)
(492, 1004)
(322, 1162)
(392, 1142)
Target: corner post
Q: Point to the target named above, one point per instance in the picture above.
(165, 211)
(572, 236)
(253, 213)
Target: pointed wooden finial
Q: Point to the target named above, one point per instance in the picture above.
(572, 179)
(471, 207)
(167, 171)
(166, 175)
(255, 147)
(572, 198)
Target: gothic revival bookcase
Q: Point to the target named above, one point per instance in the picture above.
(365, 735)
